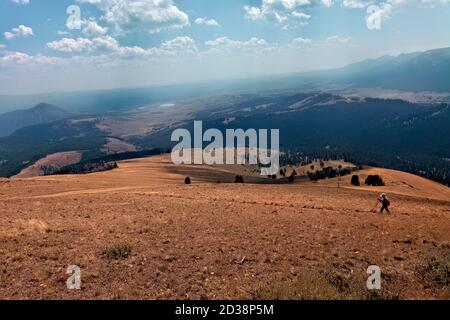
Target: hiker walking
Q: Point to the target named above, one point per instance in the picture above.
(385, 203)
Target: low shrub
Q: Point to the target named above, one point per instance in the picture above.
(117, 252)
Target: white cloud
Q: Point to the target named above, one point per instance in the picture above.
(177, 48)
(286, 13)
(338, 39)
(80, 45)
(15, 58)
(107, 45)
(92, 28)
(226, 42)
(357, 4)
(301, 15)
(206, 22)
(180, 44)
(72, 45)
(12, 59)
(20, 31)
(21, 1)
(301, 41)
(143, 15)
(182, 47)
(105, 51)
(225, 45)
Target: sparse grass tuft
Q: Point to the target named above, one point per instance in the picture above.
(117, 252)
(326, 285)
(307, 287)
(435, 272)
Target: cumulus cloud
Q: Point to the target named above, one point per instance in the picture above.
(92, 28)
(109, 46)
(105, 51)
(225, 42)
(185, 44)
(12, 59)
(143, 15)
(290, 14)
(225, 45)
(206, 22)
(179, 47)
(71, 45)
(183, 47)
(286, 13)
(20, 31)
(79, 45)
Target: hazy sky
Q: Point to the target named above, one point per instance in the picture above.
(118, 43)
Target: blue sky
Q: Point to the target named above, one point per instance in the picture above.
(118, 43)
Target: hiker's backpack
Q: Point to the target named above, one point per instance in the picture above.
(386, 202)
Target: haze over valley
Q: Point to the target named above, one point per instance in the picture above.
(348, 199)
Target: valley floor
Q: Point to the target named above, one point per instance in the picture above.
(214, 241)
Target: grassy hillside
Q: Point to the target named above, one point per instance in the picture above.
(220, 241)
(380, 132)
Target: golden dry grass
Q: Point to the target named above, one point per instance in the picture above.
(210, 240)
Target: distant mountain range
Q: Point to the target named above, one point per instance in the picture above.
(421, 71)
(384, 132)
(390, 132)
(42, 113)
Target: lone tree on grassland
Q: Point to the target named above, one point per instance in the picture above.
(291, 178)
(355, 181)
(374, 180)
